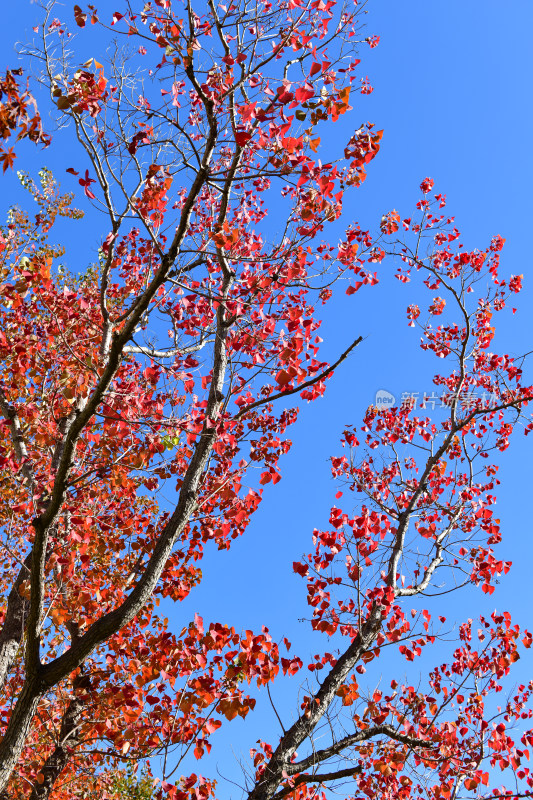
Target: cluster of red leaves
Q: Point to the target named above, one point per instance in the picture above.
(429, 513)
(154, 689)
(18, 112)
(146, 689)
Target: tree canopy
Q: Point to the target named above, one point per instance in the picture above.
(148, 390)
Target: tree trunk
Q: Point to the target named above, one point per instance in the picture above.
(68, 740)
(17, 732)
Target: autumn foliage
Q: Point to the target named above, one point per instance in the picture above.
(16, 107)
(146, 401)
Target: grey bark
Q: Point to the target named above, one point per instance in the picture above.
(15, 621)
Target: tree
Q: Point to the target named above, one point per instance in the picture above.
(175, 359)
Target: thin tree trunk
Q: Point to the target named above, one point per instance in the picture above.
(69, 737)
(17, 732)
(15, 620)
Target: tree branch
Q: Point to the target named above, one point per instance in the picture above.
(361, 736)
(304, 385)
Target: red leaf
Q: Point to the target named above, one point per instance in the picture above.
(80, 17)
(7, 157)
(283, 377)
(242, 137)
(301, 569)
(86, 182)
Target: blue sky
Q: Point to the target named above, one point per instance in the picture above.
(452, 91)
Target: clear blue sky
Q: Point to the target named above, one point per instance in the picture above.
(453, 94)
